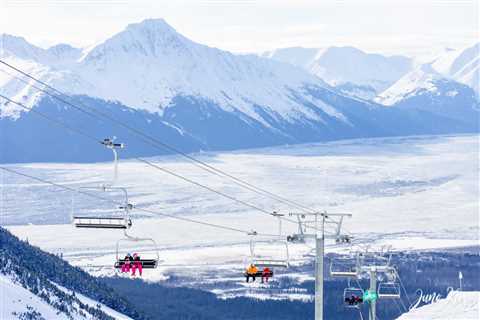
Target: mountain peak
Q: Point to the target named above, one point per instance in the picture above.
(149, 25)
(149, 38)
(19, 47)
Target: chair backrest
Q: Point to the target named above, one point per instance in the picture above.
(270, 263)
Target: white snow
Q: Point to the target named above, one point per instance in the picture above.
(338, 65)
(423, 77)
(458, 305)
(462, 65)
(15, 299)
(85, 300)
(412, 193)
(459, 65)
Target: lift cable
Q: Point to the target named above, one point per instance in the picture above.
(213, 225)
(153, 141)
(68, 127)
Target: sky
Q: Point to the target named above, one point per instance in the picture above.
(409, 27)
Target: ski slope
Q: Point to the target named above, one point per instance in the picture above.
(408, 192)
(456, 306)
(16, 302)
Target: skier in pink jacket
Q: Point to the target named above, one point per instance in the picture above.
(137, 264)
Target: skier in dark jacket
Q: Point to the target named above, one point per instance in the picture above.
(127, 263)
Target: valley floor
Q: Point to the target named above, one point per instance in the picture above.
(407, 192)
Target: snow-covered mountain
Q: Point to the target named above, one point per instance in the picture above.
(148, 64)
(461, 65)
(426, 90)
(192, 96)
(455, 67)
(361, 72)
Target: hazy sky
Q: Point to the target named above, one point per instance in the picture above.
(390, 26)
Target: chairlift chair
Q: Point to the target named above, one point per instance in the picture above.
(296, 238)
(102, 222)
(116, 218)
(389, 290)
(352, 297)
(147, 263)
(269, 261)
(344, 267)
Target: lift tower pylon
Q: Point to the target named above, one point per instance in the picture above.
(320, 248)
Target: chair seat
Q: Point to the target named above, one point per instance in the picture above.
(146, 263)
(100, 226)
(343, 274)
(259, 274)
(101, 222)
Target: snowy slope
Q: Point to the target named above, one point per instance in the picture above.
(340, 65)
(456, 306)
(423, 78)
(461, 66)
(16, 302)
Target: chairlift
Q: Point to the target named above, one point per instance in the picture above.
(111, 217)
(389, 290)
(343, 239)
(298, 237)
(352, 297)
(344, 267)
(148, 260)
(269, 260)
(102, 222)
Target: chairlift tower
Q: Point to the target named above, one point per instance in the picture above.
(380, 264)
(324, 218)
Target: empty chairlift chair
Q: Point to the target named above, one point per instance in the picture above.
(344, 267)
(102, 222)
(86, 214)
(389, 290)
(110, 218)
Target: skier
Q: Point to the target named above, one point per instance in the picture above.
(251, 272)
(350, 300)
(127, 263)
(137, 264)
(266, 274)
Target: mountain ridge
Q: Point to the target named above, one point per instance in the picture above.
(188, 95)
